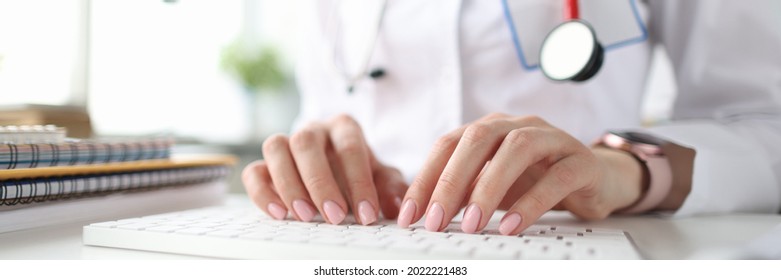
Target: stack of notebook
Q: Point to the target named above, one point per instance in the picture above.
(48, 179)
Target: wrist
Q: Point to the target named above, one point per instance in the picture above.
(625, 178)
(667, 169)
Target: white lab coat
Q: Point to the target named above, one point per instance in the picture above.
(449, 62)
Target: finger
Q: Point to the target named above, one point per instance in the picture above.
(352, 152)
(520, 149)
(423, 185)
(390, 189)
(257, 182)
(419, 192)
(562, 178)
(308, 147)
(477, 145)
(286, 180)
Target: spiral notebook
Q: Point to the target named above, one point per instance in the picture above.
(30, 150)
(33, 197)
(34, 185)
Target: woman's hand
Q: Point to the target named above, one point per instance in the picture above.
(327, 166)
(522, 165)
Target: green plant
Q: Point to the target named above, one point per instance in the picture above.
(255, 67)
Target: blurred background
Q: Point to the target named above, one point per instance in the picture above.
(217, 75)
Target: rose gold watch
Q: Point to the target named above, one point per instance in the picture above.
(648, 150)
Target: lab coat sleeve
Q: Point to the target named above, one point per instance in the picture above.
(726, 57)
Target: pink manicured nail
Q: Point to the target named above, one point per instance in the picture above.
(366, 213)
(304, 211)
(397, 202)
(276, 211)
(333, 212)
(509, 223)
(471, 218)
(434, 217)
(407, 213)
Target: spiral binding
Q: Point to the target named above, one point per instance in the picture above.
(36, 190)
(75, 152)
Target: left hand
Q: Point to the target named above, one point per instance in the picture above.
(522, 165)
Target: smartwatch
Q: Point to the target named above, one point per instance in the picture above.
(648, 150)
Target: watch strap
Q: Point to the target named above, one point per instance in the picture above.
(659, 185)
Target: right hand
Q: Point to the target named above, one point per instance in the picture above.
(327, 165)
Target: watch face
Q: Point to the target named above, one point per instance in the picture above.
(639, 137)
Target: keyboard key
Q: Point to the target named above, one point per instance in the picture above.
(233, 227)
(369, 243)
(441, 241)
(541, 239)
(291, 238)
(394, 233)
(330, 240)
(395, 228)
(330, 226)
(294, 231)
(205, 225)
(431, 234)
(366, 228)
(537, 255)
(361, 235)
(591, 236)
(194, 230)
(495, 253)
(164, 228)
(403, 238)
(177, 222)
(604, 231)
(407, 246)
(274, 222)
(258, 235)
(300, 224)
(220, 220)
(331, 234)
(469, 237)
(264, 228)
(225, 233)
(451, 251)
(361, 231)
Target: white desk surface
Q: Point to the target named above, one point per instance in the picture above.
(656, 237)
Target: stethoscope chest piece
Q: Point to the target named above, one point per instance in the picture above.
(571, 52)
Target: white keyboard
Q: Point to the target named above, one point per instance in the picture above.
(245, 233)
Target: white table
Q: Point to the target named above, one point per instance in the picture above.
(656, 237)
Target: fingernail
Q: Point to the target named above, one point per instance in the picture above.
(366, 213)
(276, 211)
(471, 218)
(509, 223)
(397, 202)
(333, 212)
(304, 211)
(407, 213)
(434, 218)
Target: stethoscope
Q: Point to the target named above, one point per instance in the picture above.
(570, 52)
(352, 79)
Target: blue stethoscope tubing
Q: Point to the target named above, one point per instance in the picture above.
(519, 49)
